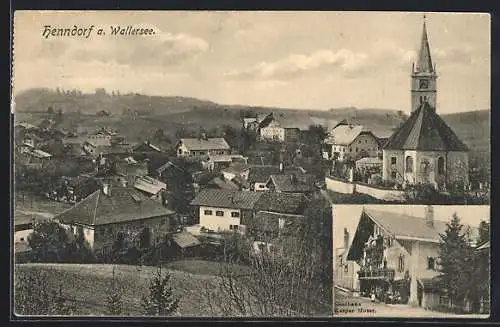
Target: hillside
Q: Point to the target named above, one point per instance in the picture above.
(87, 284)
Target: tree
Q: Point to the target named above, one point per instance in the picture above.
(51, 243)
(34, 294)
(456, 261)
(161, 300)
(114, 302)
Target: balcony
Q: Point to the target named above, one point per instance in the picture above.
(377, 273)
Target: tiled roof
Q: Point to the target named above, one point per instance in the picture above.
(261, 174)
(121, 205)
(149, 185)
(146, 147)
(292, 183)
(169, 166)
(223, 184)
(185, 240)
(345, 134)
(270, 220)
(404, 226)
(238, 180)
(237, 168)
(425, 130)
(217, 143)
(227, 199)
(288, 203)
(24, 219)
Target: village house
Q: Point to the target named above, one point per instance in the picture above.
(347, 141)
(218, 162)
(225, 210)
(23, 228)
(259, 175)
(254, 122)
(236, 169)
(233, 210)
(146, 147)
(398, 253)
(202, 147)
(292, 183)
(279, 128)
(101, 138)
(112, 210)
(369, 163)
(151, 187)
(424, 149)
(346, 271)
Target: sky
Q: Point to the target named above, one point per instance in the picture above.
(304, 60)
(347, 216)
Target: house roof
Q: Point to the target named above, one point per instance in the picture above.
(223, 184)
(185, 240)
(289, 203)
(238, 180)
(237, 168)
(345, 134)
(24, 219)
(167, 166)
(146, 147)
(425, 130)
(369, 160)
(261, 174)
(404, 226)
(484, 246)
(292, 183)
(149, 185)
(122, 205)
(288, 121)
(40, 154)
(225, 157)
(217, 143)
(227, 199)
(27, 125)
(270, 220)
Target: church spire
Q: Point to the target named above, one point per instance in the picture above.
(424, 63)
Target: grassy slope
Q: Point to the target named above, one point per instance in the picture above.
(88, 284)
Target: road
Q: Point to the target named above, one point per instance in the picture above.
(348, 305)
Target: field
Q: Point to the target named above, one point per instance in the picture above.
(88, 285)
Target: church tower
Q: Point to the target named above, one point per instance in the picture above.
(423, 76)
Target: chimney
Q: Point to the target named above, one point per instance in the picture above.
(429, 216)
(106, 189)
(231, 198)
(346, 239)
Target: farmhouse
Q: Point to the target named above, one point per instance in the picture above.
(217, 162)
(146, 147)
(201, 147)
(223, 210)
(258, 176)
(280, 128)
(110, 211)
(23, 227)
(346, 141)
(425, 149)
(291, 183)
(399, 253)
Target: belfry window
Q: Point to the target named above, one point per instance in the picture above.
(409, 164)
(440, 165)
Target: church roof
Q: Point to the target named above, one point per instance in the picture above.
(424, 63)
(425, 130)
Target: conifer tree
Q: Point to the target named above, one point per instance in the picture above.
(160, 301)
(455, 260)
(114, 303)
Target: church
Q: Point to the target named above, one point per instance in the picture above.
(424, 149)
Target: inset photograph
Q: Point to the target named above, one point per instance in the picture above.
(412, 261)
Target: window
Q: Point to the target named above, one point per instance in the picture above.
(208, 212)
(219, 213)
(22, 239)
(401, 263)
(393, 160)
(356, 149)
(350, 149)
(346, 268)
(389, 242)
(393, 174)
(235, 214)
(233, 227)
(359, 141)
(431, 263)
(440, 165)
(409, 164)
(261, 186)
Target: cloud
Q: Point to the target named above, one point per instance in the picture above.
(298, 64)
(454, 56)
(161, 49)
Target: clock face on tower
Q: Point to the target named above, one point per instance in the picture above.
(424, 84)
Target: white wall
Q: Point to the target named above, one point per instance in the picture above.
(260, 187)
(339, 186)
(22, 236)
(386, 195)
(387, 167)
(273, 131)
(218, 223)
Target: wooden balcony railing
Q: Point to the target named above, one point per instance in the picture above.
(379, 273)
